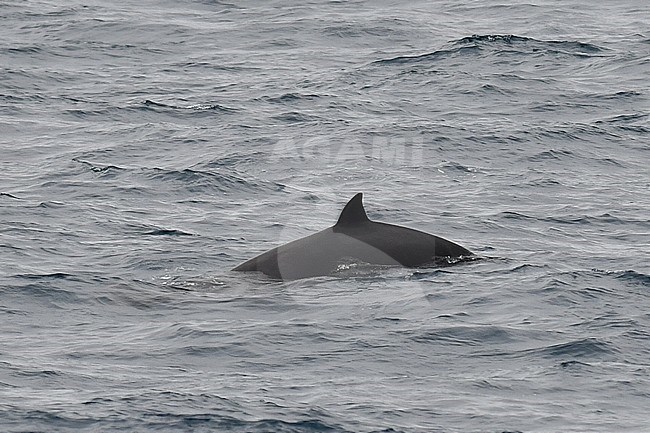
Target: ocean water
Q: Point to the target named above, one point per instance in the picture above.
(149, 148)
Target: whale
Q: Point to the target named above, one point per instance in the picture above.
(355, 239)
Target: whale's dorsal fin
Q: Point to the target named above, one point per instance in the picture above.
(353, 213)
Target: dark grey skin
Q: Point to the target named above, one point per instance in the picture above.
(354, 238)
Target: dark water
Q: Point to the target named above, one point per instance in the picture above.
(149, 148)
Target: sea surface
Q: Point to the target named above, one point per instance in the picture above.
(147, 148)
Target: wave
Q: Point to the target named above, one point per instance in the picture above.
(622, 94)
(501, 43)
(634, 277)
(466, 335)
(513, 40)
(100, 110)
(434, 55)
(515, 215)
(54, 289)
(150, 230)
(6, 194)
(103, 169)
(48, 276)
(453, 166)
(584, 349)
(195, 107)
(581, 348)
(166, 232)
(290, 97)
(171, 411)
(625, 118)
(601, 218)
(192, 179)
(604, 218)
(27, 49)
(197, 180)
(297, 117)
(553, 154)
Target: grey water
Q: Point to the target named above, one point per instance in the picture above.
(148, 148)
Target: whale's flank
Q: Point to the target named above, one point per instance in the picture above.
(353, 237)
